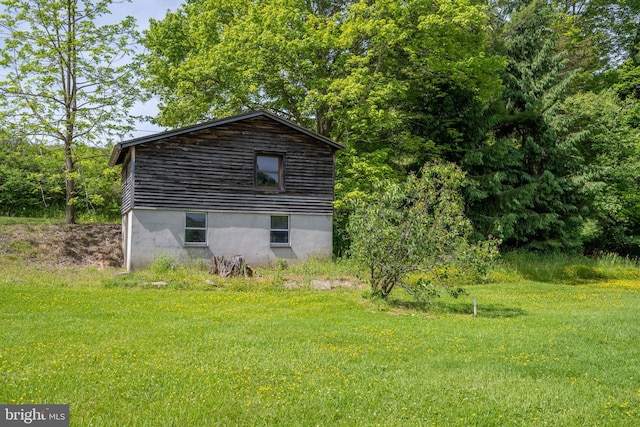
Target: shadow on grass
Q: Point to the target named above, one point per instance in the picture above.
(571, 269)
(435, 307)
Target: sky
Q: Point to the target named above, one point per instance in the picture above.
(142, 10)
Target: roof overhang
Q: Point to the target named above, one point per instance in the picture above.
(120, 150)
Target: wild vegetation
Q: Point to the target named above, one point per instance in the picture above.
(32, 182)
(64, 81)
(552, 343)
(537, 104)
(535, 100)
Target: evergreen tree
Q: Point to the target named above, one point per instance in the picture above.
(522, 190)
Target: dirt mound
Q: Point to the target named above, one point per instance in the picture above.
(61, 244)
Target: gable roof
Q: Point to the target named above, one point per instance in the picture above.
(120, 150)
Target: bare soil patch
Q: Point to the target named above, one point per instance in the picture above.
(61, 244)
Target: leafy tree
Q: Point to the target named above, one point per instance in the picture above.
(606, 127)
(370, 74)
(360, 175)
(438, 51)
(612, 25)
(65, 78)
(216, 58)
(627, 84)
(345, 68)
(523, 190)
(598, 125)
(418, 226)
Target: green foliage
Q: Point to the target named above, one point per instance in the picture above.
(523, 189)
(595, 35)
(597, 124)
(32, 182)
(417, 226)
(628, 84)
(69, 80)
(435, 56)
(61, 61)
(608, 27)
(98, 185)
(344, 69)
(164, 263)
(357, 177)
(31, 179)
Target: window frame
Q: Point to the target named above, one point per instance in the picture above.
(188, 228)
(280, 230)
(280, 172)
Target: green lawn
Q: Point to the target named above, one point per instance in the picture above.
(536, 354)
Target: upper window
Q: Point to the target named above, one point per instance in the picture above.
(269, 171)
(280, 230)
(195, 230)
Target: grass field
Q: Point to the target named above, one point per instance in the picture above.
(123, 352)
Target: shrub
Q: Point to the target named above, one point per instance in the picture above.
(164, 263)
(418, 226)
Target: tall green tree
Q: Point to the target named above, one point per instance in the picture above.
(344, 68)
(599, 33)
(611, 25)
(449, 73)
(523, 190)
(67, 78)
(371, 74)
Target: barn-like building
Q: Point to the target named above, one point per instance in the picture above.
(252, 184)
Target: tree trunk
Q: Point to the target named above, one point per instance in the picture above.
(234, 267)
(69, 72)
(70, 209)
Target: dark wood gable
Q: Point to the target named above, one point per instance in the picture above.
(213, 168)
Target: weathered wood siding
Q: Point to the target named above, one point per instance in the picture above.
(214, 170)
(127, 184)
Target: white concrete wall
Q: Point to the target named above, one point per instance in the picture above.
(156, 232)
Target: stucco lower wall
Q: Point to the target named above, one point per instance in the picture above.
(156, 232)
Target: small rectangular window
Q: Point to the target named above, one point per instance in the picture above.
(195, 230)
(269, 171)
(279, 230)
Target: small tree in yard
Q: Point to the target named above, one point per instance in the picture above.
(418, 228)
(65, 77)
